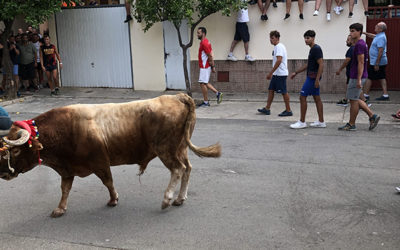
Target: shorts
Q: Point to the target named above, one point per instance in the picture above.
(353, 93)
(204, 76)
(27, 71)
(376, 75)
(309, 88)
(242, 32)
(50, 67)
(15, 69)
(278, 84)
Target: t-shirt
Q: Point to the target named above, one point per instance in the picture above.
(280, 50)
(204, 49)
(49, 55)
(359, 48)
(243, 16)
(13, 55)
(37, 46)
(378, 42)
(349, 54)
(312, 65)
(27, 53)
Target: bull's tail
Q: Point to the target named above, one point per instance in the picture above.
(210, 151)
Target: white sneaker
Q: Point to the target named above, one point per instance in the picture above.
(318, 124)
(231, 58)
(298, 125)
(328, 17)
(337, 10)
(316, 12)
(398, 189)
(249, 58)
(340, 8)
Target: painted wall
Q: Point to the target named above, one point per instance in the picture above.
(331, 35)
(148, 57)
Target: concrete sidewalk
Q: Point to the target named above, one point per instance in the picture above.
(234, 105)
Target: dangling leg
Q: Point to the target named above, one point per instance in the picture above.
(177, 169)
(184, 184)
(66, 184)
(106, 177)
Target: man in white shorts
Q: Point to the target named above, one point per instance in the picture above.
(206, 64)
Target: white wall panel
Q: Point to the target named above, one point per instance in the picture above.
(94, 47)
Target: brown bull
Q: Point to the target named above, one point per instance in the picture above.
(80, 140)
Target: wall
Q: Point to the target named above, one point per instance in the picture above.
(331, 36)
(251, 77)
(148, 57)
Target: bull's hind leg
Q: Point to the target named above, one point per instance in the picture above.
(176, 168)
(66, 184)
(106, 177)
(184, 184)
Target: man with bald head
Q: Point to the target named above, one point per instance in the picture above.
(377, 61)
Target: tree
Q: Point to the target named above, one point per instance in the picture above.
(34, 13)
(178, 11)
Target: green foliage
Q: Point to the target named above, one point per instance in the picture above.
(154, 11)
(34, 12)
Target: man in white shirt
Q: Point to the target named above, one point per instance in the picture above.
(241, 33)
(277, 75)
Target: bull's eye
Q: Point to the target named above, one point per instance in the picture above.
(15, 151)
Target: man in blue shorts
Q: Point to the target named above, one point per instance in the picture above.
(277, 75)
(314, 67)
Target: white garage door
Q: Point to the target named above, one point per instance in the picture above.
(94, 45)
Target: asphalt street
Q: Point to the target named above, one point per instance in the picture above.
(272, 188)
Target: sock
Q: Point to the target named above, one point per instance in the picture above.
(385, 95)
(206, 102)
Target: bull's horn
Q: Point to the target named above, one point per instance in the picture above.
(23, 137)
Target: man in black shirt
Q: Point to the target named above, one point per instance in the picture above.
(314, 67)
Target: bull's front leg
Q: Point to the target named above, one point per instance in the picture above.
(106, 177)
(66, 184)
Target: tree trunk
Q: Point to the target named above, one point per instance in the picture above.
(186, 72)
(10, 88)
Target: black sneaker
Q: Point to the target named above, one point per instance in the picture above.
(383, 98)
(286, 113)
(274, 5)
(264, 111)
(348, 127)
(350, 14)
(286, 16)
(342, 103)
(301, 16)
(264, 17)
(128, 18)
(366, 13)
(53, 93)
(373, 121)
(57, 90)
(203, 104)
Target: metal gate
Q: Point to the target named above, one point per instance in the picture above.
(391, 16)
(94, 44)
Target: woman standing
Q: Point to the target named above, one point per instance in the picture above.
(48, 55)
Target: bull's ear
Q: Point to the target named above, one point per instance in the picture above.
(36, 145)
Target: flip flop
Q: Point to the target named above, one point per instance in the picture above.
(395, 116)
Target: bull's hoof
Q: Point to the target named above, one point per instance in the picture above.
(112, 203)
(177, 202)
(164, 205)
(58, 212)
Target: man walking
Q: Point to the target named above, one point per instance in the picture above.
(346, 64)
(314, 67)
(241, 33)
(206, 64)
(277, 75)
(28, 61)
(358, 75)
(377, 61)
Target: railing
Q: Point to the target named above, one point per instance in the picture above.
(384, 12)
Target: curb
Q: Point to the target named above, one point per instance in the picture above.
(21, 99)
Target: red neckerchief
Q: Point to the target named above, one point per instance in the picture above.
(31, 127)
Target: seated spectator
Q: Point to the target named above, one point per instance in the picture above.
(5, 122)
(328, 8)
(128, 12)
(289, 5)
(263, 5)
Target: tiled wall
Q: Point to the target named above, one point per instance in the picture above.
(251, 77)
